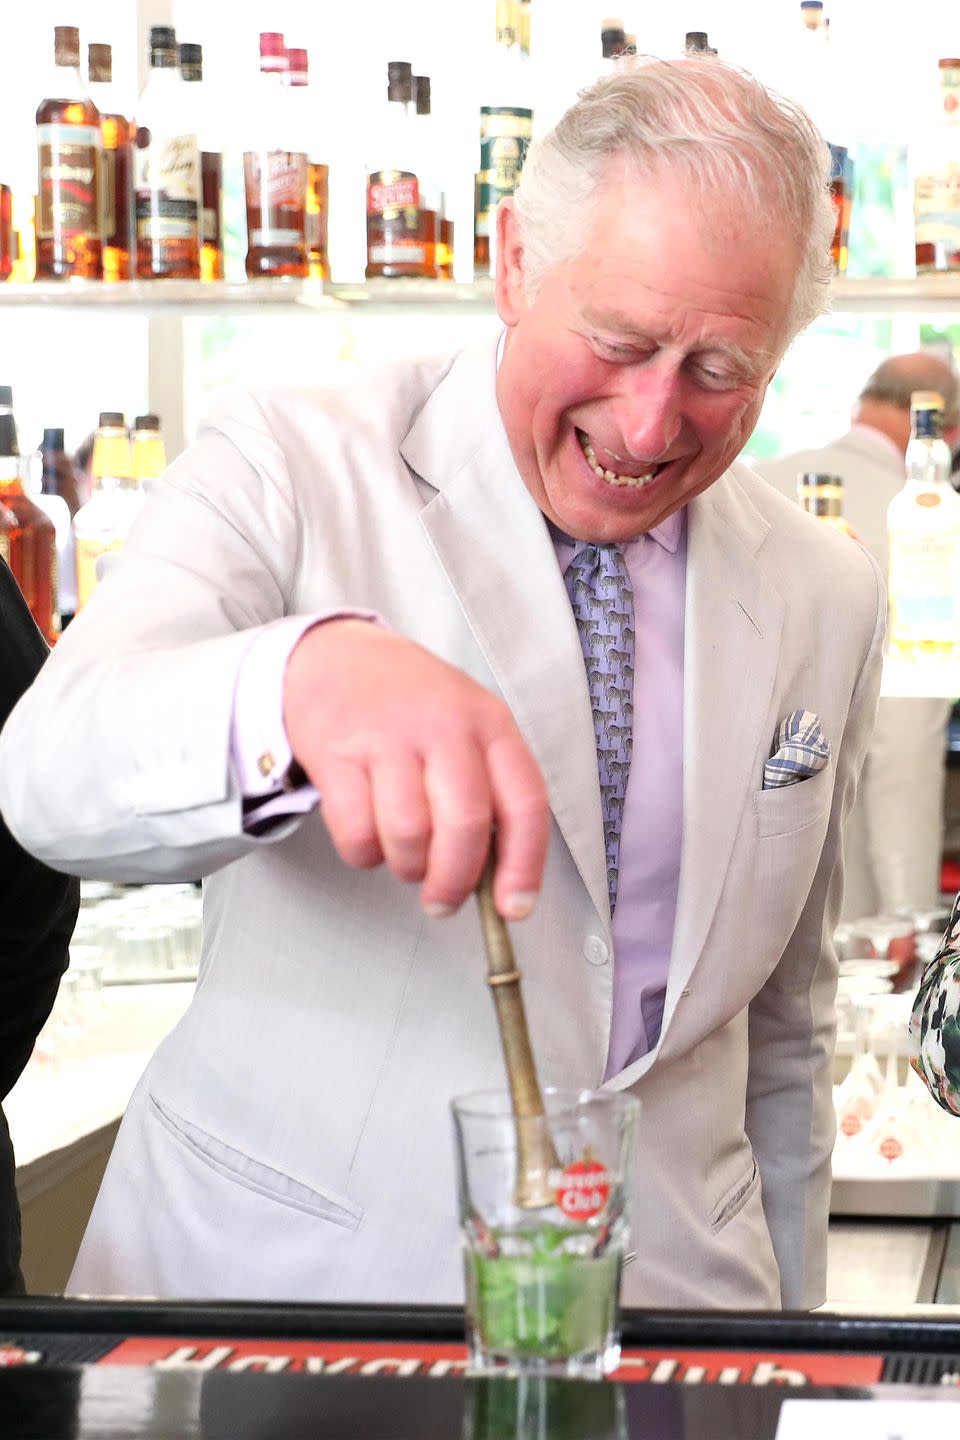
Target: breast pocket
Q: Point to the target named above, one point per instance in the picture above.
(792, 808)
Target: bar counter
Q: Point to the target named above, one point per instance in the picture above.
(159, 1370)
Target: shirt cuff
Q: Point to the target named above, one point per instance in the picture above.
(260, 755)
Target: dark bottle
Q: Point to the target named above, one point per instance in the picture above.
(68, 170)
(58, 476)
(116, 168)
(33, 544)
(211, 167)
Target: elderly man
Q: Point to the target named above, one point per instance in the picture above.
(595, 627)
(893, 839)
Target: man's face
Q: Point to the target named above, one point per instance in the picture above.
(648, 357)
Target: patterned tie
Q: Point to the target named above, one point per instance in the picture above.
(602, 599)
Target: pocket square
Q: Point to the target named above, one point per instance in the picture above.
(802, 750)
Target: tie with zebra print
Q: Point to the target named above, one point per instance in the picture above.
(602, 599)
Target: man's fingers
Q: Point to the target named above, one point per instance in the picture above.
(347, 805)
(402, 815)
(522, 815)
(458, 790)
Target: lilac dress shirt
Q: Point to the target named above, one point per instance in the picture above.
(650, 834)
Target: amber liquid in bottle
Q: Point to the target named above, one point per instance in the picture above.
(68, 234)
(33, 550)
(117, 198)
(318, 209)
(211, 220)
(276, 192)
(7, 235)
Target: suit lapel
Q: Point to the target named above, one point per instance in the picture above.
(733, 622)
(491, 539)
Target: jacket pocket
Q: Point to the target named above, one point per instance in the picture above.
(253, 1174)
(793, 807)
(728, 1207)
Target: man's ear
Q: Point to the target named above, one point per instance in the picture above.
(509, 287)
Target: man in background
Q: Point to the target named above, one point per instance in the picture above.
(38, 910)
(894, 835)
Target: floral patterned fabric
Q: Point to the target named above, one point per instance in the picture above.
(935, 1021)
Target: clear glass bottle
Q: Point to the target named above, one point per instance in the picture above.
(211, 163)
(316, 219)
(166, 170)
(395, 245)
(116, 168)
(147, 451)
(275, 174)
(506, 128)
(32, 544)
(68, 175)
(103, 523)
(936, 180)
(822, 497)
(923, 525)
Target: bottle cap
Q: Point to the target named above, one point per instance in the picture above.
(6, 395)
(421, 91)
(66, 45)
(100, 63)
(613, 39)
(949, 64)
(272, 44)
(926, 400)
(697, 40)
(111, 418)
(399, 80)
(191, 56)
(811, 4)
(812, 478)
(298, 62)
(147, 422)
(52, 440)
(163, 37)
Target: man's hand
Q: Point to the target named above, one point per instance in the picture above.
(415, 763)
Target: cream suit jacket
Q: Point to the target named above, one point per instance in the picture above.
(291, 1137)
(893, 839)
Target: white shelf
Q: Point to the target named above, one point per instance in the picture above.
(929, 294)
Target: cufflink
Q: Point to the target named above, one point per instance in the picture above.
(266, 764)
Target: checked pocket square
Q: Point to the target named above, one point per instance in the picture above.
(802, 750)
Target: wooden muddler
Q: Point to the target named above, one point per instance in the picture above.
(536, 1156)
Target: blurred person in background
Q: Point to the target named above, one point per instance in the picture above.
(893, 839)
(38, 910)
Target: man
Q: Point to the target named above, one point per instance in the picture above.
(292, 1137)
(893, 840)
(38, 910)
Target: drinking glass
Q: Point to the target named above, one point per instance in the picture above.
(543, 1284)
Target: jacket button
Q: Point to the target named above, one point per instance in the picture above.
(595, 951)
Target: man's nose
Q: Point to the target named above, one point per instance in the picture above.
(651, 415)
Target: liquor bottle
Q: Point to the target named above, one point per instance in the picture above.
(822, 497)
(318, 175)
(523, 29)
(102, 525)
(24, 267)
(117, 224)
(33, 544)
(395, 246)
(166, 170)
(936, 186)
(275, 175)
(431, 196)
(7, 238)
(58, 499)
(147, 452)
(923, 524)
(506, 128)
(613, 41)
(697, 42)
(68, 154)
(211, 163)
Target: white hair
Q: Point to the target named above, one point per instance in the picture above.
(710, 121)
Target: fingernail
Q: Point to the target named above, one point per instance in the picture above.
(519, 905)
(438, 910)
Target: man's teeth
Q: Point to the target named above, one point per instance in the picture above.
(636, 481)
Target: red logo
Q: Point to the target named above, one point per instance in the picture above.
(891, 1149)
(851, 1124)
(583, 1189)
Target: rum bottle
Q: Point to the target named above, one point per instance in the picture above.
(275, 175)
(33, 544)
(923, 524)
(936, 185)
(166, 170)
(68, 153)
(318, 175)
(102, 525)
(211, 165)
(395, 245)
(116, 168)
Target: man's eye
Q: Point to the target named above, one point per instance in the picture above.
(610, 350)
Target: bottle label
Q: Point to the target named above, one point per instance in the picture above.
(505, 136)
(394, 194)
(394, 232)
(167, 182)
(67, 180)
(925, 588)
(89, 551)
(275, 183)
(937, 208)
